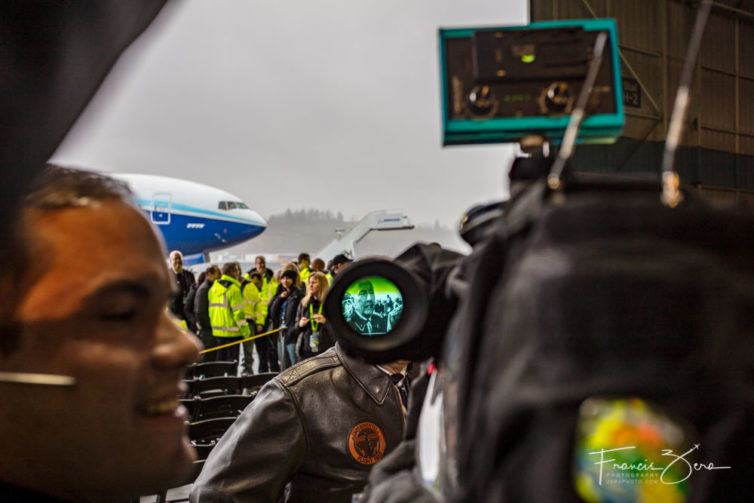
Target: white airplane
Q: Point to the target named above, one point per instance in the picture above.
(194, 218)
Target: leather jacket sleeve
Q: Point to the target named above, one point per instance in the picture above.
(258, 455)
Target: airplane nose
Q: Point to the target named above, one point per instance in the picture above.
(256, 217)
(255, 223)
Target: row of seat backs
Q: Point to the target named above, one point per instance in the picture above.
(200, 409)
(215, 397)
(227, 385)
(211, 416)
(203, 370)
(207, 432)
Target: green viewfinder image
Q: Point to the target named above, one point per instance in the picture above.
(372, 305)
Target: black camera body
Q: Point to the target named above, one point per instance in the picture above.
(596, 292)
(585, 306)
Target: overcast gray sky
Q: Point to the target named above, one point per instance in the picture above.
(329, 104)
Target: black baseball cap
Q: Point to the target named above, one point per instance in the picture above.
(340, 259)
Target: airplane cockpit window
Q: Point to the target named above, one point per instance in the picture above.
(232, 205)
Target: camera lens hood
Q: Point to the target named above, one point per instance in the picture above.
(388, 344)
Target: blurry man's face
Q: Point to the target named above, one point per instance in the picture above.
(120, 430)
(260, 265)
(304, 264)
(257, 281)
(211, 276)
(176, 261)
(339, 267)
(365, 299)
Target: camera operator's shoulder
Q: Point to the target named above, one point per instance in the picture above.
(309, 368)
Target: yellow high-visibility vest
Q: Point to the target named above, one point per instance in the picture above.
(305, 273)
(252, 302)
(226, 309)
(266, 293)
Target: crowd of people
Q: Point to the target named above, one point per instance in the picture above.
(225, 305)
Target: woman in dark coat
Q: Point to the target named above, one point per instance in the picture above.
(283, 309)
(312, 335)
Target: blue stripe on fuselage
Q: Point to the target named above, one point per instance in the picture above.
(146, 205)
(196, 234)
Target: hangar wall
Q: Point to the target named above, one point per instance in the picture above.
(717, 151)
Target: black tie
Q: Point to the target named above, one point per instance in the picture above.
(400, 383)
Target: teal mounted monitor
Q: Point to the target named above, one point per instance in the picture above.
(501, 84)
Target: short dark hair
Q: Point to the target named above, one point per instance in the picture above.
(304, 256)
(340, 259)
(229, 267)
(55, 188)
(59, 187)
(255, 275)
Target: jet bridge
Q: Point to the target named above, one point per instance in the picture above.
(375, 221)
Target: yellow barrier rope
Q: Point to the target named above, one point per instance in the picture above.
(239, 342)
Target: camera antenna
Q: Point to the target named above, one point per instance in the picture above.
(577, 116)
(671, 194)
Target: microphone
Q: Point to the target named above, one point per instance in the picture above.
(37, 379)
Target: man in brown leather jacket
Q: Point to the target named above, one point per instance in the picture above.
(319, 426)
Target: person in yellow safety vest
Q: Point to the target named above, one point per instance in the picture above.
(303, 267)
(226, 313)
(251, 306)
(266, 291)
(264, 345)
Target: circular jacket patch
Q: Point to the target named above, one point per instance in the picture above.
(366, 443)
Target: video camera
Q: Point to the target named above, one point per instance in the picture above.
(595, 313)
